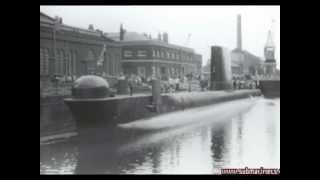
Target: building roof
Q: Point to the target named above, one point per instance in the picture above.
(158, 43)
(248, 57)
(129, 36)
(49, 21)
(46, 19)
(134, 38)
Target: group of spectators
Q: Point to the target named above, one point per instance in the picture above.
(245, 84)
(168, 84)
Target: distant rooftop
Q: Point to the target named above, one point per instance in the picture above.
(248, 54)
(129, 36)
(49, 21)
(134, 38)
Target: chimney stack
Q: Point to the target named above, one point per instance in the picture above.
(91, 27)
(165, 37)
(239, 33)
(122, 31)
(159, 37)
(58, 19)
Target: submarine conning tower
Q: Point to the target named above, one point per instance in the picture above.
(220, 69)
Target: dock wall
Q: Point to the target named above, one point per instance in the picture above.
(270, 88)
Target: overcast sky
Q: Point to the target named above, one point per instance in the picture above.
(208, 25)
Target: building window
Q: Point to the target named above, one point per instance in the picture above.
(142, 53)
(127, 53)
(107, 64)
(163, 70)
(162, 54)
(173, 72)
(114, 65)
(59, 62)
(66, 63)
(153, 53)
(111, 65)
(117, 65)
(73, 62)
(44, 61)
(142, 71)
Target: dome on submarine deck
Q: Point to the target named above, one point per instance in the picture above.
(90, 86)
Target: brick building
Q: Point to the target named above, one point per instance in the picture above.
(244, 62)
(71, 52)
(144, 56)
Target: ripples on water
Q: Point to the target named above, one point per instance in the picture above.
(245, 133)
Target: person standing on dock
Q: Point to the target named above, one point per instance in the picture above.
(235, 84)
(130, 84)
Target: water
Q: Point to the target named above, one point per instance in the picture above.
(244, 133)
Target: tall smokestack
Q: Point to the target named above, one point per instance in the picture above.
(239, 33)
(159, 37)
(122, 31)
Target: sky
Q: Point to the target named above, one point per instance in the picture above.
(208, 25)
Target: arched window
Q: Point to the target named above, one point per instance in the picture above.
(62, 62)
(66, 63)
(108, 64)
(115, 65)
(74, 62)
(118, 64)
(111, 65)
(153, 53)
(44, 61)
(59, 62)
(69, 63)
(90, 56)
(105, 61)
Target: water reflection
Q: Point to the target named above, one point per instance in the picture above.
(250, 138)
(218, 146)
(58, 158)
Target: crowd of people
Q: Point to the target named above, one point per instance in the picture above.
(168, 84)
(238, 83)
(245, 84)
(173, 84)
